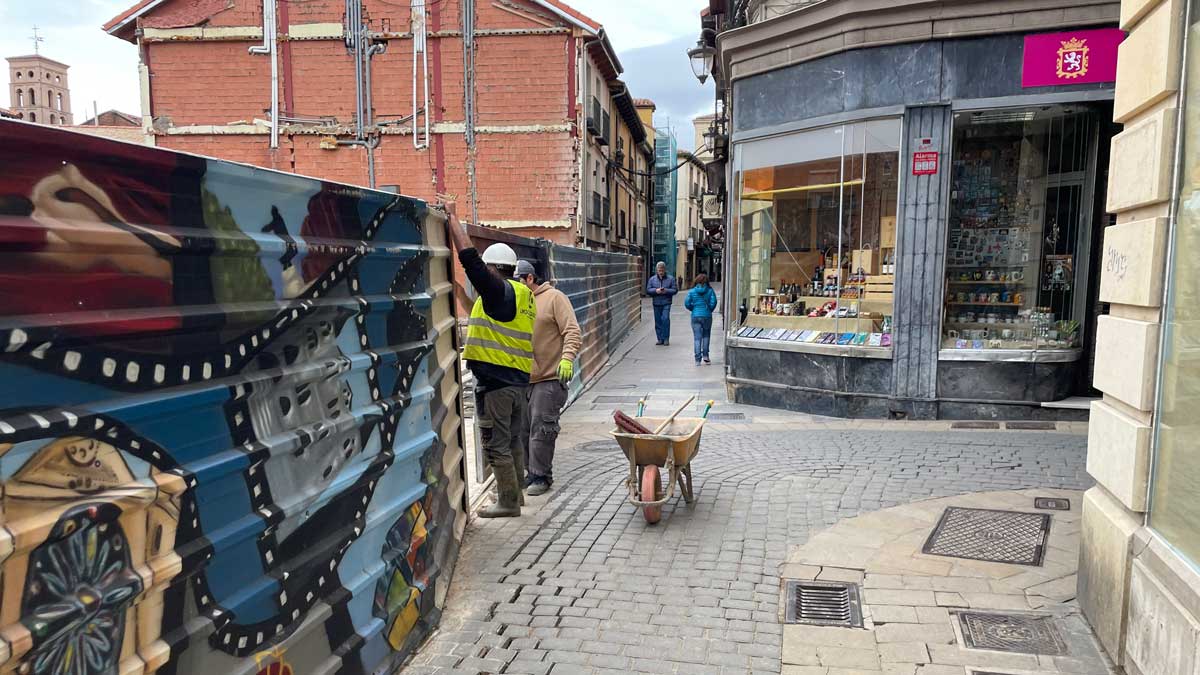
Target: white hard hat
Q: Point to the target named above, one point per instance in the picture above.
(500, 254)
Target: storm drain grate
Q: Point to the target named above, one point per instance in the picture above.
(1013, 537)
(823, 603)
(726, 416)
(1052, 504)
(1012, 633)
(1031, 426)
(975, 425)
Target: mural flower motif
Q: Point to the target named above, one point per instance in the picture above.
(79, 586)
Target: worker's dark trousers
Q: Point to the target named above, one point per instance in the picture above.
(501, 415)
(546, 401)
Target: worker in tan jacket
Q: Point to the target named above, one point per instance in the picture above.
(556, 343)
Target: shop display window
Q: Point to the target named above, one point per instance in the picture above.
(1019, 223)
(815, 257)
(1174, 506)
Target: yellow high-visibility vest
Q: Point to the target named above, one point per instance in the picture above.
(508, 344)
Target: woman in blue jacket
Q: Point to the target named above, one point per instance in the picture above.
(701, 301)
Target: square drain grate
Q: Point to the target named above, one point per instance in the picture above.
(1031, 426)
(824, 603)
(976, 425)
(726, 416)
(1052, 504)
(1016, 633)
(1013, 537)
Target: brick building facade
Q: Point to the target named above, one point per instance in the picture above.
(206, 74)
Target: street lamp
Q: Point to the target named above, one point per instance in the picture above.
(715, 141)
(702, 57)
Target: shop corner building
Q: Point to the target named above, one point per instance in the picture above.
(918, 198)
(1139, 580)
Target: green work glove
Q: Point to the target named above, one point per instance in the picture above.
(566, 371)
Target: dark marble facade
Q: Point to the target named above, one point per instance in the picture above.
(912, 74)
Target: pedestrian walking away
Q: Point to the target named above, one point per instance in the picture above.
(556, 343)
(701, 300)
(662, 288)
(499, 352)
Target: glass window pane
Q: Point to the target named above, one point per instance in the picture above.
(815, 210)
(1017, 214)
(1175, 508)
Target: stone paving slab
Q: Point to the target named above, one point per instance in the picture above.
(581, 584)
(911, 615)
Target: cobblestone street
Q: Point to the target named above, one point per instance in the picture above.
(580, 583)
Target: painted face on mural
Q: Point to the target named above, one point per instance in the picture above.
(85, 253)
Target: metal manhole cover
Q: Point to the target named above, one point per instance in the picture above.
(1052, 504)
(1013, 537)
(823, 603)
(975, 425)
(1031, 426)
(599, 446)
(1012, 633)
(726, 416)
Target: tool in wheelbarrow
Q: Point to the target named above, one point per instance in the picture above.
(672, 446)
(628, 424)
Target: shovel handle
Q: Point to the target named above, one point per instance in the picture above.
(670, 419)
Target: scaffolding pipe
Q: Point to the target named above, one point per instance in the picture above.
(269, 47)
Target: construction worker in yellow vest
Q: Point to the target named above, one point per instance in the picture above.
(499, 353)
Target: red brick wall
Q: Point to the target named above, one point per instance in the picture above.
(520, 80)
(208, 82)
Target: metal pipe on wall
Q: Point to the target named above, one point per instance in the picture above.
(268, 47)
(420, 31)
(468, 29)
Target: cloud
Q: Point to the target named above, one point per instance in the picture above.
(663, 74)
(652, 38)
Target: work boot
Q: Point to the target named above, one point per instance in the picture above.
(508, 496)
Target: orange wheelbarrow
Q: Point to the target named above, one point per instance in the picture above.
(672, 449)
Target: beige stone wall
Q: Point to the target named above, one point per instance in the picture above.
(127, 134)
(1111, 593)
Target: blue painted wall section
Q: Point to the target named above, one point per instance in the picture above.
(229, 415)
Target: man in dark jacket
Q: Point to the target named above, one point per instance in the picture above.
(662, 288)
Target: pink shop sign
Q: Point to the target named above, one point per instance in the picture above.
(1072, 57)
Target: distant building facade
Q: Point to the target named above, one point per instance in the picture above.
(113, 118)
(38, 89)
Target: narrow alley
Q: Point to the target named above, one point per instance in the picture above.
(581, 584)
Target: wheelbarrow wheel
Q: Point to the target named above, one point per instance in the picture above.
(650, 491)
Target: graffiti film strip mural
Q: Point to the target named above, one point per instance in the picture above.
(229, 432)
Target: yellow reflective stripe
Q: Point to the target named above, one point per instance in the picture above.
(493, 326)
(494, 356)
(484, 343)
(487, 332)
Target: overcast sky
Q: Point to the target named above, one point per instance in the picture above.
(651, 38)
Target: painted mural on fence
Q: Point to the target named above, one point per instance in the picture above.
(604, 291)
(222, 418)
